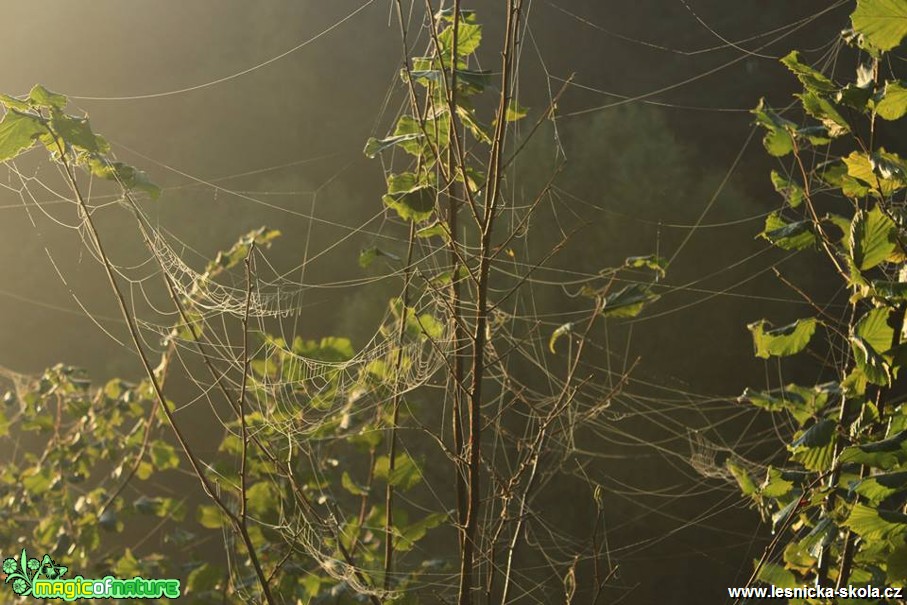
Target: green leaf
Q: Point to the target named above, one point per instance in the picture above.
(424, 325)
(562, 330)
(375, 146)
(210, 516)
(445, 278)
(882, 22)
(409, 126)
(872, 238)
(262, 499)
(778, 139)
(468, 117)
(42, 97)
(650, 261)
(77, 133)
(164, 456)
(127, 566)
(14, 103)
(783, 341)
(144, 470)
(893, 104)
(793, 193)
(416, 205)
(872, 524)
(809, 77)
(368, 256)
(349, 485)
(775, 485)
(777, 575)
(814, 448)
(823, 110)
(768, 400)
(882, 172)
(891, 291)
(468, 16)
(203, 578)
(798, 558)
(819, 537)
(628, 302)
(788, 236)
(468, 80)
(411, 534)
(781, 516)
(127, 176)
(744, 481)
(859, 166)
(169, 508)
(896, 567)
(874, 367)
(837, 174)
(329, 348)
(515, 111)
(18, 132)
(885, 454)
(815, 135)
(403, 183)
(469, 37)
(878, 487)
(802, 402)
(406, 473)
(855, 97)
(874, 329)
(146, 506)
(436, 229)
(37, 481)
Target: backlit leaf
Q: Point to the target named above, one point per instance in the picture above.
(872, 524)
(375, 146)
(18, 132)
(562, 330)
(878, 487)
(743, 478)
(809, 77)
(469, 37)
(515, 112)
(416, 205)
(42, 97)
(792, 192)
(893, 104)
(784, 341)
(884, 454)
(814, 448)
(778, 139)
(655, 263)
(777, 575)
(77, 132)
(882, 22)
(788, 236)
(628, 302)
(872, 238)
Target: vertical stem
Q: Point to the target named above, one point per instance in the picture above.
(395, 415)
(493, 183)
(244, 436)
(453, 207)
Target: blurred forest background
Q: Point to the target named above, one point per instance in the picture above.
(661, 157)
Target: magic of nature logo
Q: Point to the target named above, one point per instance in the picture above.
(44, 579)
